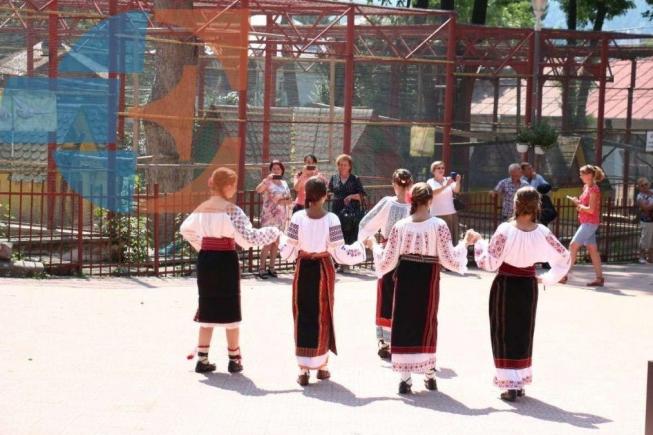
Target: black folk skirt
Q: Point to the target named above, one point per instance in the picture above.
(218, 284)
(312, 296)
(415, 314)
(513, 304)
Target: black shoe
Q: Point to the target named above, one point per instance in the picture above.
(404, 388)
(272, 273)
(384, 353)
(235, 365)
(262, 274)
(303, 379)
(509, 396)
(202, 367)
(521, 393)
(323, 375)
(431, 384)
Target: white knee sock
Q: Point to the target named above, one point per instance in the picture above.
(405, 377)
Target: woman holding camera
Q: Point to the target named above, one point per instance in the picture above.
(274, 213)
(444, 189)
(309, 170)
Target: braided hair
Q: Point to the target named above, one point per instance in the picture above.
(316, 189)
(402, 177)
(527, 202)
(421, 194)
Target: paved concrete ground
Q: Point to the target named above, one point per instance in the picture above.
(107, 356)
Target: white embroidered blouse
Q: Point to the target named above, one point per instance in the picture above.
(387, 212)
(429, 238)
(319, 235)
(207, 221)
(520, 248)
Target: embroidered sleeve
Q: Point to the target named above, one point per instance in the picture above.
(558, 258)
(335, 235)
(289, 243)
(373, 220)
(452, 257)
(386, 259)
(348, 254)
(188, 231)
(489, 256)
(247, 236)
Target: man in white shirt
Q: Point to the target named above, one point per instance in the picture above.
(530, 176)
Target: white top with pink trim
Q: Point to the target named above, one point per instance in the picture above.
(520, 248)
(429, 238)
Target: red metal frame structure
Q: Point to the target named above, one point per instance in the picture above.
(351, 34)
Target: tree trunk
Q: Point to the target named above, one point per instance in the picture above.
(479, 12)
(585, 85)
(464, 95)
(569, 87)
(447, 5)
(169, 61)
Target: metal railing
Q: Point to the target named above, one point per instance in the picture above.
(71, 235)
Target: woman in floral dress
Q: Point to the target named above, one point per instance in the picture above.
(274, 213)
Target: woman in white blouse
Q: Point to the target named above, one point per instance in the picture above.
(387, 212)
(444, 189)
(513, 251)
(417, 247)
(314, 237)
(214, 229)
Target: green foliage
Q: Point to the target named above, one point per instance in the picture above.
(541, 134)
(544, 135)
(501, 13)
(128, 235)
(525, 135)
(648, 14)
(588, 10)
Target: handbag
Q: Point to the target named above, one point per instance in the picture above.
(458, 203)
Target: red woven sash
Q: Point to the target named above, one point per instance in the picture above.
(510, 270)
(218, 244)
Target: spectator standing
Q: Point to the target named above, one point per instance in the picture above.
(530, 176)
(444, 189)
(507, 188)
(645, 204)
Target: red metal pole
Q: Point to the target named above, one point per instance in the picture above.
(242, 101)
(268, 89)
(600, 130)
(29, 40)
(529, 80)
(201, 76)
(629, 125)
(53, 65)
(155, 229)
(121, 107)
(349, 80)
(450, 84)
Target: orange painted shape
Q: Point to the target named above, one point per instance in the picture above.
(193, 194)
(226, 32)
(175, 111)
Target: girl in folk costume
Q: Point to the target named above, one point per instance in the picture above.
(513, 250)
(387, 212)
(416, 247)
(214, 229)
(313, 237)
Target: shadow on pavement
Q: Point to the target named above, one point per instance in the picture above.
(535, 408)
(438, 401)
(445, 373)
(240, 384)
(330, 391)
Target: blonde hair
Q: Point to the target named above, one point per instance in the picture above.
(221, 178)
(527, 202)
(420, 194)
(598, 173)
(345, 157)
(436, 163)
